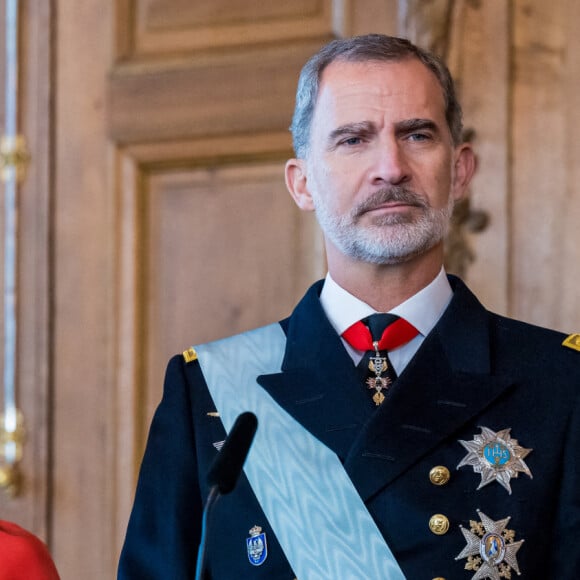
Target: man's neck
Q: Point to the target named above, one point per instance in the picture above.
(385, 286)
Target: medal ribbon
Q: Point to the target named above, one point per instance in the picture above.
(395, 335)
(291, 472)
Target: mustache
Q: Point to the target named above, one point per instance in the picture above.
(394, 194)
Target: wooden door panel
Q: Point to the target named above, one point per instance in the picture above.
(246, 91)
(545, 196)
(171, 26)
(221, 254)
(210, 243)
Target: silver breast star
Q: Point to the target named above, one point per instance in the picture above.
(496, 456)
(491, 550)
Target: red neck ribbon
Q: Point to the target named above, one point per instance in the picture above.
(395, 335)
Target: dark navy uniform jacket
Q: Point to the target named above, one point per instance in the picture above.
(475, 369)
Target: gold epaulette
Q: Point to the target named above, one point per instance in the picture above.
(189, 355)
(572, 341)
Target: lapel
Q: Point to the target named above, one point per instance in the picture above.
(447, 383)
(317, 385)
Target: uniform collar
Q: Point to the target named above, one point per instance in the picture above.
(422, 310)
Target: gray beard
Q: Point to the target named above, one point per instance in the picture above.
(390, 239)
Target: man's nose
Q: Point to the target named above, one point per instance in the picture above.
(390, 164)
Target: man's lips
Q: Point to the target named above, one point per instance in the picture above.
(392, 206)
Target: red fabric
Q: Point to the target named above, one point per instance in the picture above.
(395, 335)
(23, 556)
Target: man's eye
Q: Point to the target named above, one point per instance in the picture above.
(419, 137)
(352, 141)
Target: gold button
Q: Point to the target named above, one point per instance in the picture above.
(439, 578)
(439, 475)
(439, 524)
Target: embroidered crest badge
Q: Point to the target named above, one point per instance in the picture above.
(491, 550)
(496, 456)
(257, 546)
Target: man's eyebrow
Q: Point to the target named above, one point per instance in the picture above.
(410, 125)
(360, 128)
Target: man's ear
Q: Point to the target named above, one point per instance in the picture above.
(297, 184)
(464, 168)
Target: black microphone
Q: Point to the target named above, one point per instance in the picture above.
(227, 466)
(224, 473)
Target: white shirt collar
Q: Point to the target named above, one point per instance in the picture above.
(422, 310)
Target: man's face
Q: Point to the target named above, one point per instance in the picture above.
(381, 173)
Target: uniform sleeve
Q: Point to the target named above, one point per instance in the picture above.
(164, 527)
(565, 547)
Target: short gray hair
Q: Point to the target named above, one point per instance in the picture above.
(367, 48)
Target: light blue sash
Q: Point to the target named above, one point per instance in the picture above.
(321, 522)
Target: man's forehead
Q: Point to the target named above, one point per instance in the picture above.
(407, 82)
(392, 72)
(346, 64)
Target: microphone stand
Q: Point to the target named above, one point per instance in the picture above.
(212, 498)
(223, 475)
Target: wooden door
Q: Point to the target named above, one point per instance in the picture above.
(173, 223)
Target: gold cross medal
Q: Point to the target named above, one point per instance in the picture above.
(496, 456)
(378, 365)
(490, 550)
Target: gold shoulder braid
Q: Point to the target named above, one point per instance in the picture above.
(572, 341)
(189, 355)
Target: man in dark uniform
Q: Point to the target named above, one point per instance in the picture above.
(404, 431)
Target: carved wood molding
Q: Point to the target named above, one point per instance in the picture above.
(157, 28)
(434, 25)
(212, 95)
